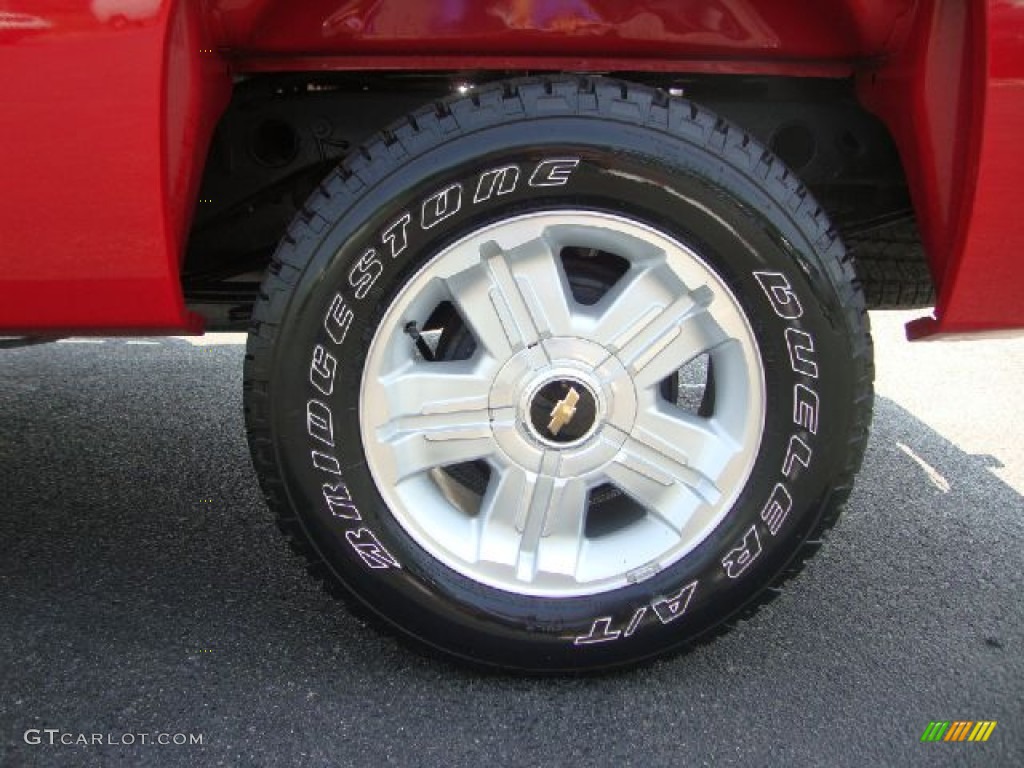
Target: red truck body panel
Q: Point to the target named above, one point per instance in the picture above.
(700, 35)
(104, 125)
(107, 109)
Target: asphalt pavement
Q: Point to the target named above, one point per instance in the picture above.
(145, 590)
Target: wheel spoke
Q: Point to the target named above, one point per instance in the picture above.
(438, 416)
(670, 465)
(513, 299)
(533, 523)
(558, 549)
(696, 443)
(655, 326)
(543, 285)
(682, 331)
(642, 294)
(420, 388)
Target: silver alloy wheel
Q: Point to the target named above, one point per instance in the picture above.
(526, 530)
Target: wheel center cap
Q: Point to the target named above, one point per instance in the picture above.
(565, 401)
(563, 411)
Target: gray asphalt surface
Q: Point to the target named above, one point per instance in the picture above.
(144, 589)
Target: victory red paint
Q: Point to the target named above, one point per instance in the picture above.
(108, 108)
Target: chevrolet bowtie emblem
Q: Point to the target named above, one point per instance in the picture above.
(563, 411)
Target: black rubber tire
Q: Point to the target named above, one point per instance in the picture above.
(664, 161)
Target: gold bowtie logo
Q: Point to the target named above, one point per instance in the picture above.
(563, 411)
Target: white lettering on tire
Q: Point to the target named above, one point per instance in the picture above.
(801, 352)
(325, 462)
(667, 609)
(440, 206)
(784, 301)
(394, 237)
(339, 501)
(738, 559)
(777, 508)
(497, 181)
(364, 274)
(671, 608)
(805, 408)
(554, 172)
(800, 344)
(796, 452)
(492, 183)
(370, 550)
(319, 422)
(338, 319)
(600, 632)
(322, 369)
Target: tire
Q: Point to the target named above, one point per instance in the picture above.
(892, 267)
(430, 304)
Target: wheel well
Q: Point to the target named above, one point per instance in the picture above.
(282, 133)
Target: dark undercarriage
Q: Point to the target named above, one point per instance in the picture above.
(282, 134)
